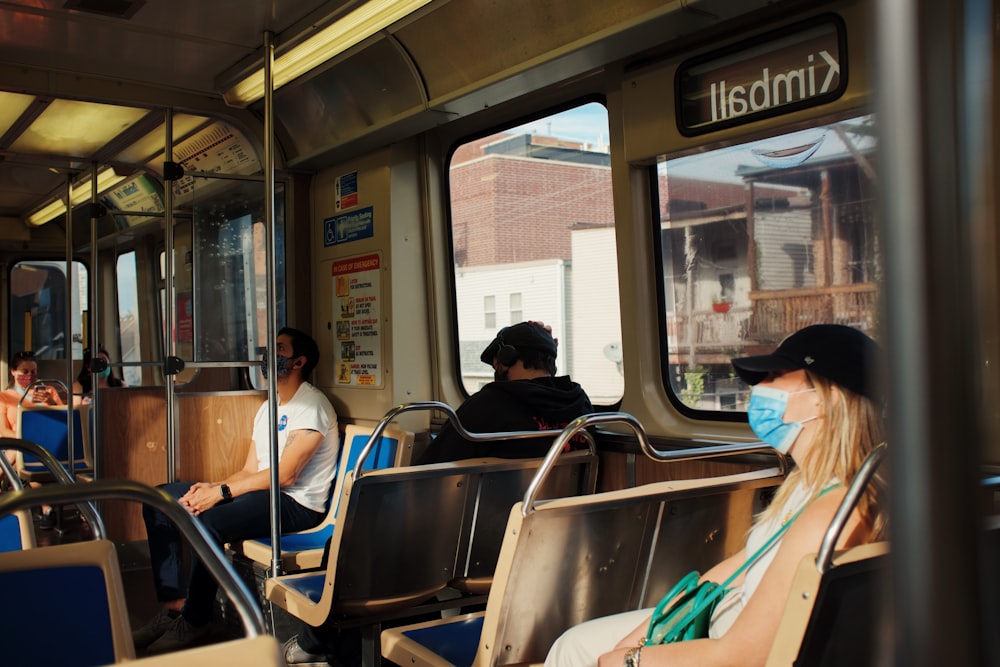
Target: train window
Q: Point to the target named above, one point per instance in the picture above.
(759, 240)
(128, 317)
(533, 238)
(38, 298)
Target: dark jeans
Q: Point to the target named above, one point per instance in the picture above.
(245, 517)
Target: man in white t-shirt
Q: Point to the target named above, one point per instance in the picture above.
(238, 507)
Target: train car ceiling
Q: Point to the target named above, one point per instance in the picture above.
(445, 61)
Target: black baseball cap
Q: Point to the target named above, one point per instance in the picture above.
(839, 353)
(526, 335)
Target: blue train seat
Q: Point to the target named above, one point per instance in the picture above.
(16, 532)
(47, 426)
(83, 620)
(304, 550)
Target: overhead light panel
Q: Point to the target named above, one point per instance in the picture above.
(106, 179)
(51, 210)
(347, 31)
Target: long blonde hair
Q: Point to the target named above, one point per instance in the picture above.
(850, 430)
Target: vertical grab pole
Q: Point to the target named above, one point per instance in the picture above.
(68, 327)
(169, 306)
(92, 340)
(272, 387)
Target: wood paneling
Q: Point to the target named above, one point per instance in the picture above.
(213, 438)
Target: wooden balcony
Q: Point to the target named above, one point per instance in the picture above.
(711, 337)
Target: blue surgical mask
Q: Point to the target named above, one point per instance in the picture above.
(105, 373)
(766, 414)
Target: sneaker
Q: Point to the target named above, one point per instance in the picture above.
(296, 655)
(179, 634)
(48, 520)
(154, 628)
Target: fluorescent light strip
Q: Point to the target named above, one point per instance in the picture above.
(342, 34)
(106, 179)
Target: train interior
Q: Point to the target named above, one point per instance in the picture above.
(179, 179)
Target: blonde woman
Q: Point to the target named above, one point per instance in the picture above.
(814, 399)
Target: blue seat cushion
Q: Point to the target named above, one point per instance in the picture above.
(311, 587)
(456, 642)
(302, 541)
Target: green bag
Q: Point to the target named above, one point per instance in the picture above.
(686, 611)
(689, 615)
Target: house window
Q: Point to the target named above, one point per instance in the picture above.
(516, 314)
(490, 312)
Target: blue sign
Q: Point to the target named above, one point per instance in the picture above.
(349, 227)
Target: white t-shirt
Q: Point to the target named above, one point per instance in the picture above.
(310, 410)
(732, 603)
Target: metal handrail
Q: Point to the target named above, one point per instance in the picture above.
(193, 531)
(584, 421)
(51, 464)
(824, 559)
(457, 424)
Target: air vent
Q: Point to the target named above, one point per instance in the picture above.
(119, 9)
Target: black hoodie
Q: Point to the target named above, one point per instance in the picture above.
(541, 404)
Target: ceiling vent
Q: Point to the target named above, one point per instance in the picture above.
(119, 9)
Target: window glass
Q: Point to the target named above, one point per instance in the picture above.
(533, 226)
(128, 318)
(38, 299)
(759, 240)
(220, 274)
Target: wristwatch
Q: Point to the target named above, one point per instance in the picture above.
(632, 656)
(226, 493)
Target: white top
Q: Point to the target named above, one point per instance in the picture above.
(309, 410)
(731, 605)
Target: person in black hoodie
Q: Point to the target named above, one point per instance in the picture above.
(526, 395)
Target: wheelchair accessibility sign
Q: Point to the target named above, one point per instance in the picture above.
(348, 227)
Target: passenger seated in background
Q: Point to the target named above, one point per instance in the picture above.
(812, 398)
(23, 371)
(525, 396)
(238, 507)
(83, 389)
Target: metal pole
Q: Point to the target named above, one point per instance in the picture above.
(68, 328)
(168, 295)
(271, 250)
(93, 341)
(931, 326)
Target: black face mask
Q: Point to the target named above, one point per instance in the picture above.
(281, 364)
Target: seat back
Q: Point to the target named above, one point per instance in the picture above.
(392, 448)
(260, 651)
(78, 617)
(573, 559)
(47, 426)
(832, 618)
(573, 474)
(16, 532)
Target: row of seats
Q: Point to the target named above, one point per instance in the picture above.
(558, 568)
(77, 613)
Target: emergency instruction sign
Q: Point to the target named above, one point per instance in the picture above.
(357, 306)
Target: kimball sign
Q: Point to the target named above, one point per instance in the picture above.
(777, 73)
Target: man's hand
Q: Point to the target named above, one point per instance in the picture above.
(200, 497)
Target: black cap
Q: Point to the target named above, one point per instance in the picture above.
(839, 353)
(526, 335)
